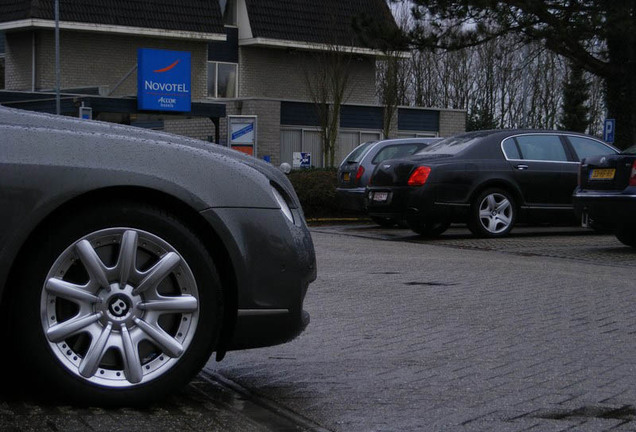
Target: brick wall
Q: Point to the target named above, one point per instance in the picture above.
(281, 74)
(451, 122)
(91, 60)
(200, 128)
(18, 61)
(268, 126)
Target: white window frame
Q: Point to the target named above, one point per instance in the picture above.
(216, 80)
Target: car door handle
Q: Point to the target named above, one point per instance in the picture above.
(522, 167)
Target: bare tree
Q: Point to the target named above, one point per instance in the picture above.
(393, 75)
(328, 83)
(389, 89)
(505, 82)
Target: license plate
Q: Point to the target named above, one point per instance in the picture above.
(602, 174)
(380, 196)
(346, 176)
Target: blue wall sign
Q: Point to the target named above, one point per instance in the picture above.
(301, 160)
(163, 80)
(609, 130)
(243, 131)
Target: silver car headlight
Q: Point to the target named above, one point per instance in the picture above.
(282, 203)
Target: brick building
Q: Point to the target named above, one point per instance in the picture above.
(248, 58)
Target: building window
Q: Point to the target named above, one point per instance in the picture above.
(228, 10)
(222, 82)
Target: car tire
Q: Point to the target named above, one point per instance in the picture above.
(600, 228)
(383, 221)
(119, 304)
(427, 228)
(492, 214)
(627, 236)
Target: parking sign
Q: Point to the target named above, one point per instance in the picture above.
(609, 128)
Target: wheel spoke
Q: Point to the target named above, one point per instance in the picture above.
(70, 291)
(171, 305)
(484, 214)
(504, 205)
(158, 272)
(492, 204)
(94, 266)
(492, 224)
(132, 364)
(127, 256)
(93, 357)
(505, 219)
(66, 329)
(162, 339)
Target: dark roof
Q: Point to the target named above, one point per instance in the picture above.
(203, 16)
(316, 21)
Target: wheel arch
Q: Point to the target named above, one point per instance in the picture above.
(211, 239)
(499, 184)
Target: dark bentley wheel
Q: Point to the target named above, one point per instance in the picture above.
(428, 228)
(492, 214)
(120, 306)
(383, 221)
(627, 236)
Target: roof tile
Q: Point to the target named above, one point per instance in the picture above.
(315, 21)
(193, 15)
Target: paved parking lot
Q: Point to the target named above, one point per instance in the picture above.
(532, 332)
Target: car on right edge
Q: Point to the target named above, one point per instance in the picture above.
(606, 194)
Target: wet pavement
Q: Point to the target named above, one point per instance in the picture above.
(531, 332)
(208, 403)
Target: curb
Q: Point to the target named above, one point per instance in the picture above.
(325, 221)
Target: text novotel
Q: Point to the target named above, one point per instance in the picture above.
(166, 87)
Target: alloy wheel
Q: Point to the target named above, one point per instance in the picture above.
(495, 213)
(119, 307)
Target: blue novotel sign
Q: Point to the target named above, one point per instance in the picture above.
(163, 80)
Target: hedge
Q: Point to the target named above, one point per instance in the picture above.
(316, 189)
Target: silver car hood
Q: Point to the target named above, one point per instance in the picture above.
(187, 156)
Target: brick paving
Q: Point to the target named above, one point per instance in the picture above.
(203, 405)
(459, 334)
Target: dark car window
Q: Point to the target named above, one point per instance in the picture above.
(452, 145)
(511, 149)
(585, 147)
(541, 148)
(358, 153)
(396, 151)
(629, 150)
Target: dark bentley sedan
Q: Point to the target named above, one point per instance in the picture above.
(488, 179)
(606, 195)
(128, 256)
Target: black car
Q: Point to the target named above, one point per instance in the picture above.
(355, 170)
(128, 256)
(606, 195)
(488, 179)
